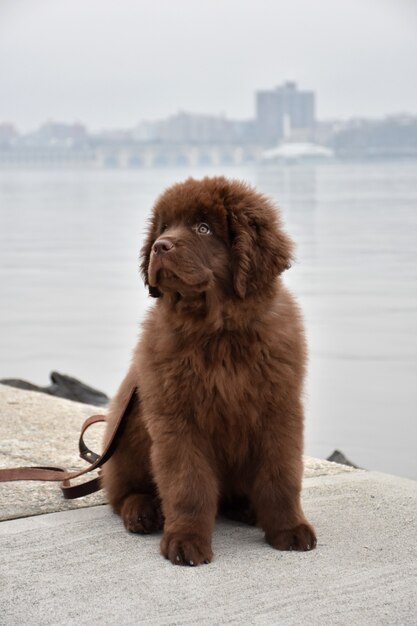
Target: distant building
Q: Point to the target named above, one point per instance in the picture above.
(61, 133)
(188, 128)
(284, 112)
(8, 133)
(392, 137)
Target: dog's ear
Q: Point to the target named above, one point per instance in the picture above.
(145, 255)
(260, 248)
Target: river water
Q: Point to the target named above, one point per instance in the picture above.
(72, 299)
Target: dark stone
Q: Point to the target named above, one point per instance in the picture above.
(63, 386)
(339, 457)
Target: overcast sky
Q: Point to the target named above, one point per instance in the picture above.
(114, 63)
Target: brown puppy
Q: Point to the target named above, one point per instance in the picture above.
(217, 423)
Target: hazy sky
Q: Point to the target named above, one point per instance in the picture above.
(114, 63)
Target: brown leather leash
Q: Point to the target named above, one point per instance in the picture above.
(96, 461)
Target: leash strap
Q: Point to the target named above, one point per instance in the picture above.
(96, 461)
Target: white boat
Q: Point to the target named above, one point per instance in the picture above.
(297, 152)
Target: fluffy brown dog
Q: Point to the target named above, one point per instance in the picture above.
(217, 423)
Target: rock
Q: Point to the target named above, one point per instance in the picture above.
(63, 387)
(339, 457)
(37, 429)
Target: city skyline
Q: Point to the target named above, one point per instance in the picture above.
(73, 119)
(284, 129)
(223, 115)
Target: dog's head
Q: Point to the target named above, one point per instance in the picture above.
(213, 234)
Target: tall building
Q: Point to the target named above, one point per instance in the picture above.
(284, 111)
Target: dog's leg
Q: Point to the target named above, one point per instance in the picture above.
(189, 493)
(277, 487)
(127, 475)
(141, 513)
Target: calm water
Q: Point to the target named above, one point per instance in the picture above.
(72, 300)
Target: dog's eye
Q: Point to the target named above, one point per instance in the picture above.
(203, 229)
(162, 228)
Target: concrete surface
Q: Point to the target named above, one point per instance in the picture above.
(37, 429)
(81, 566)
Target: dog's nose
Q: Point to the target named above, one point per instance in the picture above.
(162, 246)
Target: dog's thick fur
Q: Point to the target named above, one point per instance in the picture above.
(217, 423)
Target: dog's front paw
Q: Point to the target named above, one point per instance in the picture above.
(141, 513)
(301, 537)
(186, 549)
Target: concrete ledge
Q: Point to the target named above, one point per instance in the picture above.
(37, 429)
(82, 566)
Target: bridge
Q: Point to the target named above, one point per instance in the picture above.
(129, 154)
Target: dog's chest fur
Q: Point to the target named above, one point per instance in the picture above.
(209, 383)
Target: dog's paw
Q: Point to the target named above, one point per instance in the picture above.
(186, 549)
(301, 537)
(141, 513)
